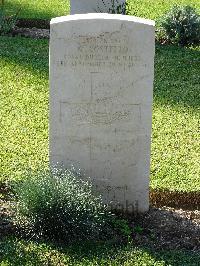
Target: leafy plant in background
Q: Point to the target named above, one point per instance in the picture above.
(181, 25)
(7, 23)
(115, 7)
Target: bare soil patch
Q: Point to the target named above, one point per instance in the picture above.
(169, 228)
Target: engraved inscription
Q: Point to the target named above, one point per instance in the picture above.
(99, 114)
(93, 60)
(107, 50)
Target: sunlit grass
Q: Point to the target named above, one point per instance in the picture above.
(176, 116)
(23, 105)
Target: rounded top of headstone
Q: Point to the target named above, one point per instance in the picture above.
(102, 16)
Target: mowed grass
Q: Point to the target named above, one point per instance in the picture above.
(152, 9)
(15, 252)
(176, 113)
(23, 105)
(176, 117)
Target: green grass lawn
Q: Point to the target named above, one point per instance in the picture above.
(176, 113)
(23, 105)
(176, 116)
(15, 252)
(48, 9)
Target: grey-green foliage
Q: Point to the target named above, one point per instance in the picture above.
(181, 25)
(7, 23)
(58, 205)
(115, 7)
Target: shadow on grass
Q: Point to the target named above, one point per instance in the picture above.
(189, 200)
(164, 241)
(29, 53)
(177, 79)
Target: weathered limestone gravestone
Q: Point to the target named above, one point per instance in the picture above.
(92, 6)
(101, 84)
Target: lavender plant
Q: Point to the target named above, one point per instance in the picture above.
(57, 205)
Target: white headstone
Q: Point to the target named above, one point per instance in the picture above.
(101, 86)
(93, 6)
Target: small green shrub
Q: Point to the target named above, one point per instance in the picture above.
(57, 205)
(138, 229)
(181, 25)
(122, 226)
(7, 23)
